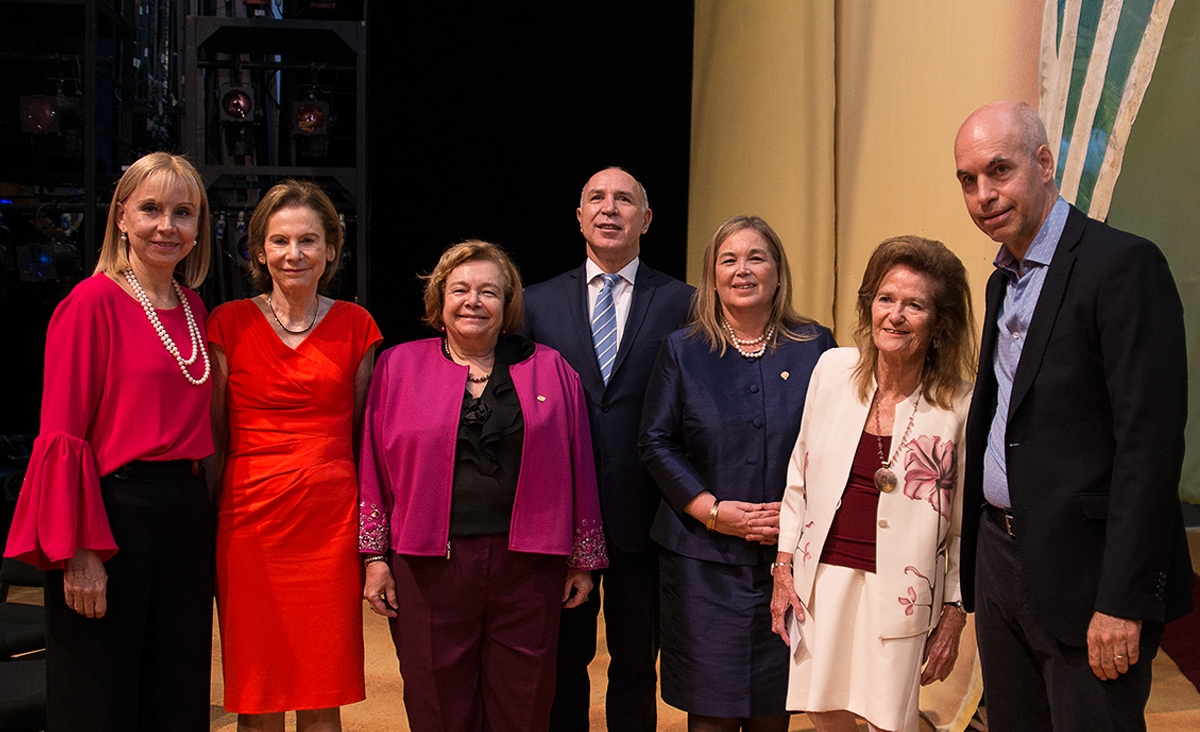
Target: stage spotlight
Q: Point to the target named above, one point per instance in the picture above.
(311, 119)
(39, 115)
(56, 116)
(238, 114)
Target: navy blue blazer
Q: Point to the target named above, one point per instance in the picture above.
(556, 315)
(1094, 445)
(726, 425)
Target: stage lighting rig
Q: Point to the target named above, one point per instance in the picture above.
(311, 120)
(239, 116)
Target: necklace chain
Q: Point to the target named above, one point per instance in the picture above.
(168, 343)
(473, 379)
(738, 343)
(283, 327)
(885, 477)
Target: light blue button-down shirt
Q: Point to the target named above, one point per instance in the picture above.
(1021, 294)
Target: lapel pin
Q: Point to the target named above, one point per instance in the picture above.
(785, 375)
(541, 398)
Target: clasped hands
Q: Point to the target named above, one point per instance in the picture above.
(750, 521)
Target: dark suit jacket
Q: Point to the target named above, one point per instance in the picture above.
(1095, 435)
(556, 315)
(726, 425)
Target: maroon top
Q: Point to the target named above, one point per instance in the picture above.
(851, 540)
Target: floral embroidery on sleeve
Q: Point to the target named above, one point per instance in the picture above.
(588, 550)
(372, 529)
(931, 472)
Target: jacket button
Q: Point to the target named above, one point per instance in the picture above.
(757, 422)
(754, 388)
(883, 524)
(604, 408)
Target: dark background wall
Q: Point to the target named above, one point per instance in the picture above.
(487, 121)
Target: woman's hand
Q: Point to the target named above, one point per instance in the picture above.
(783, 596)
(750, 521)
(579, 585)
(85, 584)
(941, 648)
(379, 589)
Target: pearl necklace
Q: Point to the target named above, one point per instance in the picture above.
(168, 343)
(737, 343)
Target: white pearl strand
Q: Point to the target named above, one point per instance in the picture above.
(739, 342)
(168, 343)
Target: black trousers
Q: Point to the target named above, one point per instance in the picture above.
(145, 665)
(1032, 681)
(631, 630)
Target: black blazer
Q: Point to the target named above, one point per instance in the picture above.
(556, 315)
(1095, 435)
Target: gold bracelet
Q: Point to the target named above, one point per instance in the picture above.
(712, 516)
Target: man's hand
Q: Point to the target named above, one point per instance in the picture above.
(1112, 645)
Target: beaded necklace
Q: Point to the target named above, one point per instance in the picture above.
(168, 343)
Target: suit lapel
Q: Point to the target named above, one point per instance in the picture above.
(991, 328)
(643, 293)
(1046, 311)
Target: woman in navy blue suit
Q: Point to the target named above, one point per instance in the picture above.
(722, 413)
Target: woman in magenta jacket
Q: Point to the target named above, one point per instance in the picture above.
(479, 516)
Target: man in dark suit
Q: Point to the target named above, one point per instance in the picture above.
(607, 318)
(1073, 550)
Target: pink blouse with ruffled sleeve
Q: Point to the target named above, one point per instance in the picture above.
(112, 394)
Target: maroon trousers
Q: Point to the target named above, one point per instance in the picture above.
(477, 635)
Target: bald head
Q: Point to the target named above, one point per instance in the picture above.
(1006, 171)
(1019, 117)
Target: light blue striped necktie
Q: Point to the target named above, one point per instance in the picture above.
(604, 326)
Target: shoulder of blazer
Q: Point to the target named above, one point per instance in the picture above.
(555, 286)
(648, 277)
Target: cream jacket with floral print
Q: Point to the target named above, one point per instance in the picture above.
(917, 526)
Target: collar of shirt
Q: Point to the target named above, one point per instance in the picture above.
(627, 273)
(1041, 250)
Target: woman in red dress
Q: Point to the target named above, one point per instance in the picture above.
(291, 370)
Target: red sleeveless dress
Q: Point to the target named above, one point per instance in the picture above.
(289, 587)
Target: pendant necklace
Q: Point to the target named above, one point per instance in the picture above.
(885, 477)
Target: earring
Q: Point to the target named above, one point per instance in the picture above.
(124, 239)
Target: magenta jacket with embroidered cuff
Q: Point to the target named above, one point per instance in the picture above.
(406, 471)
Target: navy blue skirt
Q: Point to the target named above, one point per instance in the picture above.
(719, 656)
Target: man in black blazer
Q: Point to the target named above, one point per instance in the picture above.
(613, 214)
(1073, 549)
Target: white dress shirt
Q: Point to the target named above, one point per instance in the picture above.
(622, 293)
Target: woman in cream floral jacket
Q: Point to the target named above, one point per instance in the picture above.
(868, 545)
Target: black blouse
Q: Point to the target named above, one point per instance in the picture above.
(487, 457)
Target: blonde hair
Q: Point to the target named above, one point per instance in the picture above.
(473, 250)
(167, 170)
(706, 306)
(950, 359)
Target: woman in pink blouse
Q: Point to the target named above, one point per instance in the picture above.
(114, 504)
(479, 517)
